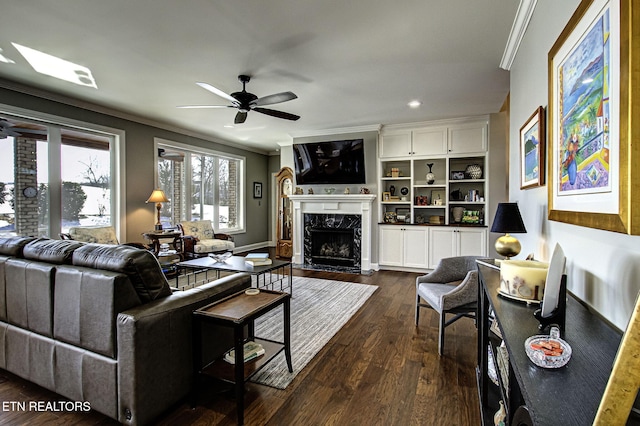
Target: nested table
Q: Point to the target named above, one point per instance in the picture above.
(238, 311)
(277, 276)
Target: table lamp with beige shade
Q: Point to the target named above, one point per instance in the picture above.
(158, 197)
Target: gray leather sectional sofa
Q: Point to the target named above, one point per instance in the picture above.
(99, 324)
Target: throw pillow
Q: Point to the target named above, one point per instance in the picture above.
(201, 229)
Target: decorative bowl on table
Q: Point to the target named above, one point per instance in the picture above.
(548, 351)
(219, 258)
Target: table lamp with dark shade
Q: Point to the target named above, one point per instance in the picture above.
(158, 197)
(508, 221)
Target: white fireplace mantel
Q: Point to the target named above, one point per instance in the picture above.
(359, 204)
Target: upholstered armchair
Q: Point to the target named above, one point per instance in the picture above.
(96, 234)
(451, 288)
(199, 239)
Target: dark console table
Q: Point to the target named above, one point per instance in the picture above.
(566, 396)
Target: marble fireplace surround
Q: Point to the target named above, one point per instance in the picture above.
(329, 204)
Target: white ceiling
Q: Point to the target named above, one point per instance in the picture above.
(352, 63)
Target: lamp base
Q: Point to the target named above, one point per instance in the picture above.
(158, 227)
(508, 246)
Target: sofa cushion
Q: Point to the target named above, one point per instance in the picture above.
(13, 246)
(201, 229)
(51, 251)
(86, 304)
(213, 245)
(139, 265)
(94, 234)
(29, 294)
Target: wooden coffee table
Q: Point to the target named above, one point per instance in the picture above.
(277, 276)
(238, 311)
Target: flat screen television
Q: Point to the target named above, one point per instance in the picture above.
(335, 162)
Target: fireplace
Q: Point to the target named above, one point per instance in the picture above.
(332, 241)
(333, 214)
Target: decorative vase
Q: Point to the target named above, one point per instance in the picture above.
(392, 190)
(430, 176)
(500, 416)
(457, 213)
(474, 171)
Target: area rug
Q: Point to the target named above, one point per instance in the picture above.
(319, 308)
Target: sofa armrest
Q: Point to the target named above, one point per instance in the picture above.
(225, 237)
(154, 349)
(188, 242)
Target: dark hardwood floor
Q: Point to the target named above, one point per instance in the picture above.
(378, 370)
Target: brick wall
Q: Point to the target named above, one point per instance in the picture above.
(26, 209)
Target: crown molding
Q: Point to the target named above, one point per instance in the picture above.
(519, 27)
(338, 131)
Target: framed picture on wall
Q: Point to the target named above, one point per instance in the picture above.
(532, 148)
(257, 189)
(591, 124)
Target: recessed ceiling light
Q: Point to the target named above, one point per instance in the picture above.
(228, 126)
(56, 67)
(414, 104)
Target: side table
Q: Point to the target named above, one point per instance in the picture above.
(156, 236)
(238, 311)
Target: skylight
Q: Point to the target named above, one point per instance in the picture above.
(57, 67)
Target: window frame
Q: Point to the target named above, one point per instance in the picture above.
(160, 143)
(116, 155)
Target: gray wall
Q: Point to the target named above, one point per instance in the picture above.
(602, 267)
(140, 165)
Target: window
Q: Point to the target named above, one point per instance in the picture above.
(201, 185)
(62, 172)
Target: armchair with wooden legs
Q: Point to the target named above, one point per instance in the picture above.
(451, 288)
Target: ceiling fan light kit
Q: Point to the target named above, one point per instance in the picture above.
(245, 101)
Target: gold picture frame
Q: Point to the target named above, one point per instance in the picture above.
(613, 208)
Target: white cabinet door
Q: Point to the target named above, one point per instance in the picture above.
(472, 242)
(391, 245)
(468, 138)
(395, 144)
(416, 247)
(454, 241)
(430, 141)
(442, 243)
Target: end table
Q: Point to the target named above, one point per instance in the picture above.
(156, 236)
(237, 311)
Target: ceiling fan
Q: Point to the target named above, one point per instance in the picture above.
(245, 101)
(5, 129)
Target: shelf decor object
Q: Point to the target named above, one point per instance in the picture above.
(473, 171)
(532, 148)
(590, 170)
(431, 178)
(508, 221)
(158, 197)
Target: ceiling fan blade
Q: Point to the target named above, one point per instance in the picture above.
(278, 114)
(275, 99)
(217, 91)
(205, 106)
(241, 117)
